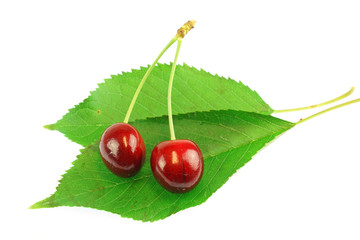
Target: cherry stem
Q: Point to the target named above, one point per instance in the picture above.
(328, 110)
(348, 93)
(127, 116)
(171, 124)
(181, 32)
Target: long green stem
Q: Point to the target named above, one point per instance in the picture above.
(317, 105)
(171, 124)
(127, 116)
(328, 110)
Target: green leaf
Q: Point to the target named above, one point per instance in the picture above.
(193, 91)
(228, 139)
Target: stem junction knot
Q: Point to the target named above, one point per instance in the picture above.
(181, 32)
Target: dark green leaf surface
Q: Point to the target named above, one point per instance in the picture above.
(228, 139)
(193, 91)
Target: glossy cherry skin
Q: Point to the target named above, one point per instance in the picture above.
(122, 149)
(177, 165)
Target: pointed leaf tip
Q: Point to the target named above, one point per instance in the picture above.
(45, 203)
(50, 127)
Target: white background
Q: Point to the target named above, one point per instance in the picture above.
(305, 185)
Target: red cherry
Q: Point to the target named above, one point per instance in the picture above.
(122, 149)
(177, 165)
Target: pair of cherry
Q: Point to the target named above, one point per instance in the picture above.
(176, 164)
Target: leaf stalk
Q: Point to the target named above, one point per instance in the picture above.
(348, 93)
(328, 110)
